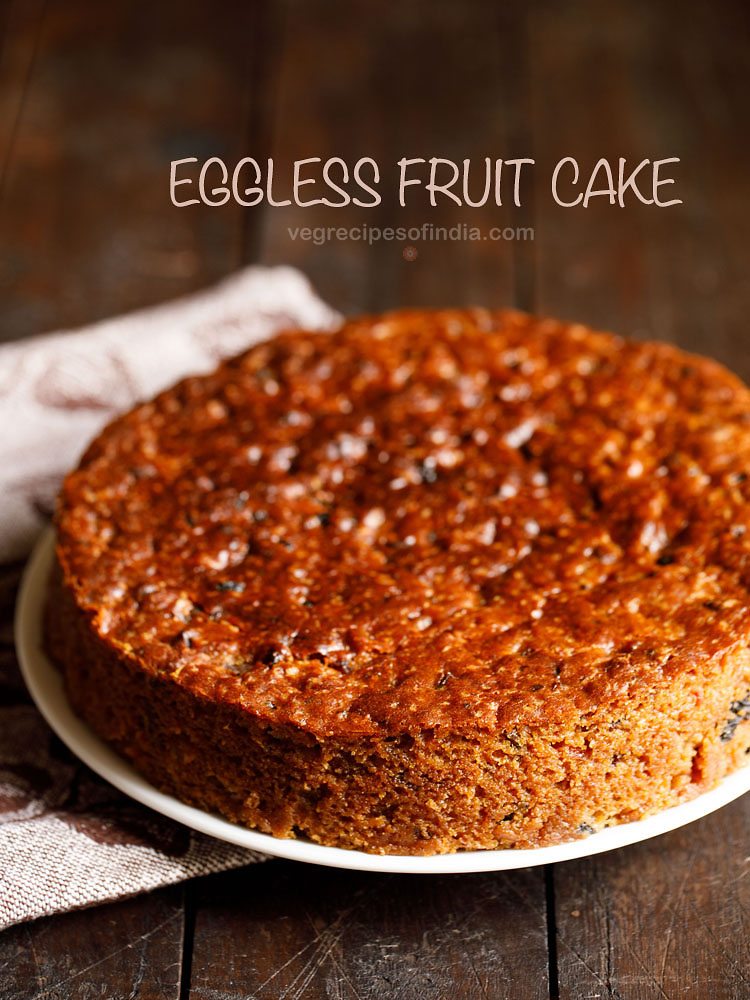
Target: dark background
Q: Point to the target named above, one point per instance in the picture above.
(95, 100)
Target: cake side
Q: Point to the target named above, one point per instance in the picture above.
(430, 793)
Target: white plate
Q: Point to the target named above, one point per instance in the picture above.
(45, 684)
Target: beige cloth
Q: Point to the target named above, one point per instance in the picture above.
(67, 838)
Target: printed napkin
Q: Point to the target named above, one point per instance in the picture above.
(67, 838)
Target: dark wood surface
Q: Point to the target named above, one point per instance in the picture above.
(95, 100)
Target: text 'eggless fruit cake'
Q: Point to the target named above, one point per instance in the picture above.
(434, 581)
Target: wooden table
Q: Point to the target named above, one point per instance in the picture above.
(95, 100)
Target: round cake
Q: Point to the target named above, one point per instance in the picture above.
(433, 581)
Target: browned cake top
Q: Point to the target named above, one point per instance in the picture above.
(427, 518)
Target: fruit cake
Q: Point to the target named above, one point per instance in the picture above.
(435, 581)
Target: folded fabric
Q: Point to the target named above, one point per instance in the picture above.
(67, 838)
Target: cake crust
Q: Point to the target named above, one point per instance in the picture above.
(433, 581)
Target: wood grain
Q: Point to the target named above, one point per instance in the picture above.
(450, 70)
(433, 79)
(130, 949)
(672, 88)
(285, 931)
(117, 91)
(20, 27)
(667, 918)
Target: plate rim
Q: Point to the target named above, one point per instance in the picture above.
(46, 688)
